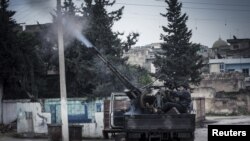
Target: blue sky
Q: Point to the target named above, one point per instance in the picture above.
(208, 20)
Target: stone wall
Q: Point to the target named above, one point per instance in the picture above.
(208, 94)
(227, 82)
(199, 108)
(230, 105)
(223, 103)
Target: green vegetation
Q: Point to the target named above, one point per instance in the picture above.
(178, 63)
(20, 65)
(26, 57)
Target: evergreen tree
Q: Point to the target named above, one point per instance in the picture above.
(100, 33)
(19, 61)
(7, 39)
(84, 69)
(85, 74)
(178, 63)
(100, 26)
(78, 59)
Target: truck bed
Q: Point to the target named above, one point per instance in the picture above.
(159, 122)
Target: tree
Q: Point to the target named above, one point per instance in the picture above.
(87, 75)
(100, 33)
(7, 38)
(19, 61)
(178, 62)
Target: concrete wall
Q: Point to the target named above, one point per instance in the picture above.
(199, 108)
(80, 110)
(208, 94)
(248, 103)
(94, 130)
(30, 118)
(205, 92)
(224, 85)
(227, 82)
(230, 105)
(222, 93)
(226, 103)
(214, 68)
(10, 110)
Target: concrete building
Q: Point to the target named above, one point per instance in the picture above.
(143, 56)
(206, 53)
(230, 65)
(232, 57)
(219, 49)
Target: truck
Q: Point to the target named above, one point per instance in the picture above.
(133, 126)
(139, 114)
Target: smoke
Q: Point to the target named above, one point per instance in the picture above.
(74, 28)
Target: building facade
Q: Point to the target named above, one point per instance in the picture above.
(230, 56)
(143, 56)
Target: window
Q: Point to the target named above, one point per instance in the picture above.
(245, 72)
(28, 115)
(98, 107)
(230, 70)
(222, 67)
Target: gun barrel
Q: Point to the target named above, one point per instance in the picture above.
(134, 92)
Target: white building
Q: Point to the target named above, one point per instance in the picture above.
(232, 57)
(143, 56)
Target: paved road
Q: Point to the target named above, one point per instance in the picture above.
(200, 133)
(6, 138)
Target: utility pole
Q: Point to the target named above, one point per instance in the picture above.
(63, 92)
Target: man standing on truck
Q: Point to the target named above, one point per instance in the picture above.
(183, 104)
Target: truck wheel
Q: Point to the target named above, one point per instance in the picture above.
(120, 137)
(105, 135)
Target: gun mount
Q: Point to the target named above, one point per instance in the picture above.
(134, 92)
(148, 116)
(148, 100)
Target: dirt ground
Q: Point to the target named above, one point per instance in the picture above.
(200, 133)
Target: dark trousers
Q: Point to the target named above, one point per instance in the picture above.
(170, 105)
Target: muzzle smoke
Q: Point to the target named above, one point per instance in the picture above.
(75, 30)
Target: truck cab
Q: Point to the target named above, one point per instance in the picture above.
(119, 105)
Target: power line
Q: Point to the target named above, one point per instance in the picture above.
(152, 17)
(193, 8)
(185, 7)
(218, 9)
(188, 2)
(208, 3)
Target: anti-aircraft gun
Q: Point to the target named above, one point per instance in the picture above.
(135, 94)
(138, 114)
